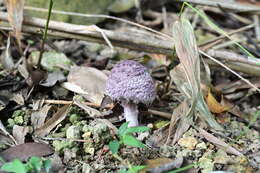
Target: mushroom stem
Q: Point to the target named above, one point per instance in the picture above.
(131, 113)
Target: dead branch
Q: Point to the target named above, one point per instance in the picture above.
(146, 43)
(234, 6)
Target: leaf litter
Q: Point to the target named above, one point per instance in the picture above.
(76, 133)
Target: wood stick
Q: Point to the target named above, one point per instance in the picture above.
(151, 111)
(234, 6)
(148, 43)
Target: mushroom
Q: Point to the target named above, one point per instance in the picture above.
(130, 83)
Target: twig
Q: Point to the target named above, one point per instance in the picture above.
(45, 34)
(127, 40)
(208, 44)
(159, 113)
(63, 139)
(235, 6)
(65, 102)
(238, 75)
(257, 27)
(228, 55)
(162, 35)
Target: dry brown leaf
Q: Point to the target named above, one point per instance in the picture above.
(176, 115)
(15, 16)
(89, 80)
(53, 121)
(234, 109)
(187, 74)
(214, 105)
(231, 87)
(24, 151)
(38, 117)
(219, 143)
(162, 164)
(89, 110)
(19, 133)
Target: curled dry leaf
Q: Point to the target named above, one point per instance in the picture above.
(214, 105)
(90, 80)
(53, 121)
(24, 151)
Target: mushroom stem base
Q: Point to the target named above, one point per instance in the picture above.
(131, 114)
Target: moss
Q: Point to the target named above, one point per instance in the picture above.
(59, 146)
(74, 118)
(18, 120)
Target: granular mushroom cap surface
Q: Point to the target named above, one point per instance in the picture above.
(130, 81)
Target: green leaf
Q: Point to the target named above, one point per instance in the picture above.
(132, 141)
(36, 163)
(47, 165)
(114, 146)
(135, 169)
(137, 129)
(122, 129)
(15, 166)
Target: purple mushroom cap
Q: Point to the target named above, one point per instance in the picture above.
(131, 82)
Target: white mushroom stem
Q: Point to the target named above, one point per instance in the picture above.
(131, 113)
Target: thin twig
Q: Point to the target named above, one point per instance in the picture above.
(65, 102)
(127, 40)
(210, 43)
(162, 35)
(257, 26)
(235, 73)
(235, 6)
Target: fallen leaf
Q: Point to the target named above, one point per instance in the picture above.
(90, 80)
(19, 133)
(233, 109)
(231, 87)
(89, 110)
(53, 121)
(219, 143)
(38, 117)
(51, 61)
(186, 75)
(18, 97)
(53, 78)
(15, 16)
(24, 151)
(162, 165)
(176, 115)
(214, 105)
